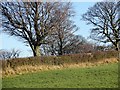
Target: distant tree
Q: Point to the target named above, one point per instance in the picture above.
(4, 54)
(99, 48)
(75, 45)
(103, 15)
(86, 48)
(32, 22)
(72, 45)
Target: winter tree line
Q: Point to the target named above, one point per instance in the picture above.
(48, 27)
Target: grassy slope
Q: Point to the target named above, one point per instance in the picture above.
(95, 77)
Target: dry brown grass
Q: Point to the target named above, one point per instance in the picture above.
(58, 60)
(30, 68)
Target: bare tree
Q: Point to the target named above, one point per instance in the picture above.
(32, 22)
(103, 15)
(64, 30)
(75, 45)
(4, 54)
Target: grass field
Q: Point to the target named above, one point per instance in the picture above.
(104, 76)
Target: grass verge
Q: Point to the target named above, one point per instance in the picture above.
(103, 76)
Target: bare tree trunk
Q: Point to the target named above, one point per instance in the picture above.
(36, 51)
(60, 50)
(118, 45)
(61, 47)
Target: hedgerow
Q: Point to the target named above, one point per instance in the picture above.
(59, 60)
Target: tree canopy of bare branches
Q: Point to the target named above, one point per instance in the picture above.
(63, 29)
(104, 17)
(32, 22)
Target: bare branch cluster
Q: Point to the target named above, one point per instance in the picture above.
(104, 17)
(4, 54)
